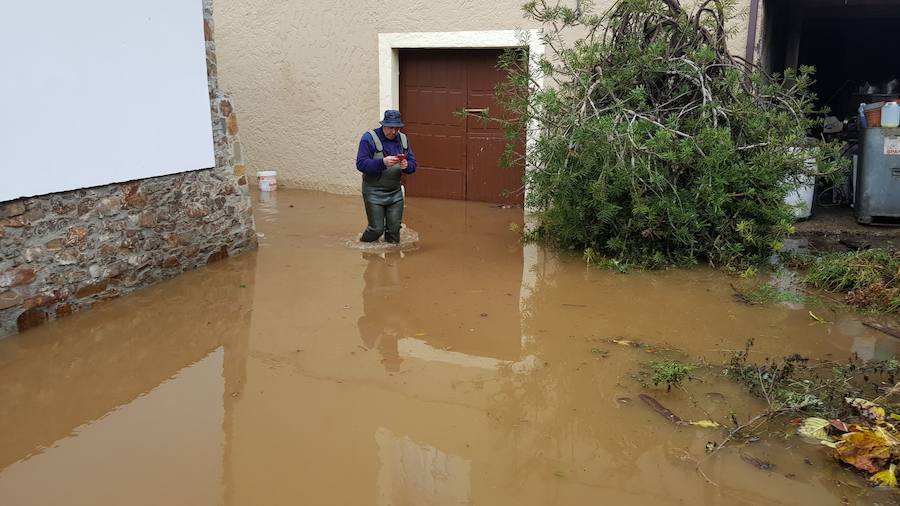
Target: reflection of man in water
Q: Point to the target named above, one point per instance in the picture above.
(383, 321)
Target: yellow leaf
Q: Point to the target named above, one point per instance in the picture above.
(817, 318)
(895, 417)
(865, 448)
(706, 424)
(829, 444)
(886, 478)
(814, 428)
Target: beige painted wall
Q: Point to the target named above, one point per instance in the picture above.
(305, 73)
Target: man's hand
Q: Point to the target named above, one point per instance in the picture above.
(391, 160)
(404, 164)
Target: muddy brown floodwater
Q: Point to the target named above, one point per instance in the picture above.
(469, 370)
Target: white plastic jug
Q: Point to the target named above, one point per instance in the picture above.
(890, 115)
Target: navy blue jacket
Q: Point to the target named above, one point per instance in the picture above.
(368, 165)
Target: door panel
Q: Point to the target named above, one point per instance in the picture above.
(458, 156)
(432, 88)
(486, 179)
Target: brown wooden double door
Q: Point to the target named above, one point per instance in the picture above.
(458, 156)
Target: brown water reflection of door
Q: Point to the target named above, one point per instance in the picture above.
(458, 157)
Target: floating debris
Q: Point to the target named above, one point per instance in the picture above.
(817, 318)
(662, 410)
(872, 446)
(764, 465)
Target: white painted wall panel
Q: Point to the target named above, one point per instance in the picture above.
(101, 91)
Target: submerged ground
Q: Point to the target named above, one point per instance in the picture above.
(468, 370)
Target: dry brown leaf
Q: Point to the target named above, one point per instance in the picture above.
(865, 448)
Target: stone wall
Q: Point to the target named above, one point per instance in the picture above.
(68, 251)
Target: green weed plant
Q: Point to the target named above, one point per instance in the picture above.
(654, 146)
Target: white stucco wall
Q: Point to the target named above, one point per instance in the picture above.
(305, 75)
(92, 99)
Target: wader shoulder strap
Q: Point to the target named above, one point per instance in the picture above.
(379, 148)
(404, 143)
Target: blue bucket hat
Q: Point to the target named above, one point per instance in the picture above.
(392, 119)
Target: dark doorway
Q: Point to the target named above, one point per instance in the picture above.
(849, 42)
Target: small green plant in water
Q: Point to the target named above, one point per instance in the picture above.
(796, 385)
(670, 373)
(768, 294)
(592, 257)
(601, 353)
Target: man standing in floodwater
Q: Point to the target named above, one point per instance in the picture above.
(383, 157)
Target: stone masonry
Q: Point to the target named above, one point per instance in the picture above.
(65, 252)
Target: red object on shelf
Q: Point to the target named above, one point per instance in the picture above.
(873, 118)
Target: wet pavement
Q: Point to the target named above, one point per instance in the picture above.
(836, 229)
(466, 369)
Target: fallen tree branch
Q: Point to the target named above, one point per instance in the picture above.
(881, 328)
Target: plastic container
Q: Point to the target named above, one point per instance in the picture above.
(873, 115)
(268, 199)
(890, 115)
(800, 197)
(267, 180)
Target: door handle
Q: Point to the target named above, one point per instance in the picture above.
(475, 111)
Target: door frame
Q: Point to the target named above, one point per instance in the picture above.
(390, 44)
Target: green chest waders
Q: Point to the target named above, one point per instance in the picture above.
(383, 197)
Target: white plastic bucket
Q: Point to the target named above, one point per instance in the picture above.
(800, 197)
(267, 180)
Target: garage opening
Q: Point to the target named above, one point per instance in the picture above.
(444, 94)
(855, 47)
(853, 44)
